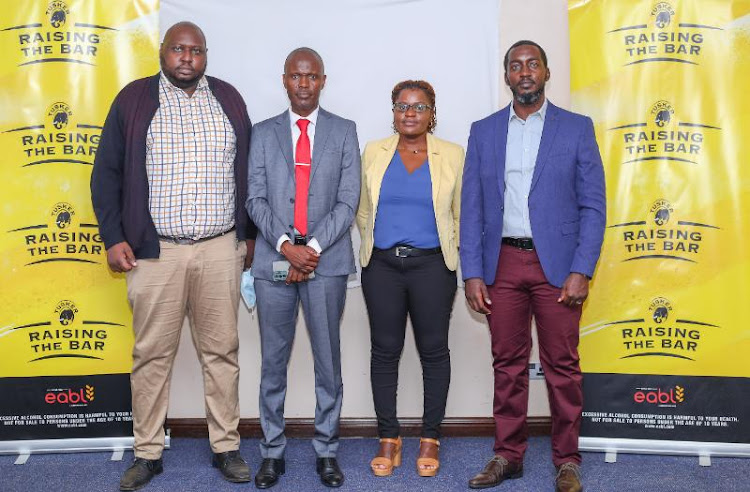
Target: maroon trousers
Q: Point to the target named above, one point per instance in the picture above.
(520, 291)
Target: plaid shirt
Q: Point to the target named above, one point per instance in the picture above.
(190, 150)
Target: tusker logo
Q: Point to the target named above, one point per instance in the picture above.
(57, 34)
(59, 113)
(661, 237)
(74, 397)
(662, 136)
(62, 239)
(662, 112)
(662, 13)
(66, 312)
(658, 36)
(661, 397)
(660, 307)
(63, 213)
(57, 139)
(662, 210)
(656, 332)
(66, 333)
(58, 14)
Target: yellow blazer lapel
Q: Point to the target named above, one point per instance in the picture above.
(379, 166)
(436, 168)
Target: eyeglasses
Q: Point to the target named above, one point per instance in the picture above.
(419, 107)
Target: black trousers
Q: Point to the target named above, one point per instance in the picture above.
(423, 288)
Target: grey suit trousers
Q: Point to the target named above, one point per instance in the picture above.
(322, 306)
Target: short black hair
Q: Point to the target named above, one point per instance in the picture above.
(308, 51)
(522, 43)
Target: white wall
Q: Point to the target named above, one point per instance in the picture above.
(368, 46)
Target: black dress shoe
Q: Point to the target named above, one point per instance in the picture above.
(329, 471)
(140, 473)
(268, 474)
(232, 466)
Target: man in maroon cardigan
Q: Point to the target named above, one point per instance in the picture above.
(168, 187)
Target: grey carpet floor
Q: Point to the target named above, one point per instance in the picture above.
(187, 469)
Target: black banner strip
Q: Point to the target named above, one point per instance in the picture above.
(646, 60)
(639, 26)
(696, 224)
(32, 325)
(96, 26)
(28, 228)
(624, 224)
(51, 161)
(656, 257)
(657, 354)
(64, 60)
(633, 125)
(61, 259)
(661, 158)
(93, 322)
(699, 125)
(66, 356)
(690, 322)
(25, 26)
(32, 127)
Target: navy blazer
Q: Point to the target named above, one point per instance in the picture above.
(567, 205)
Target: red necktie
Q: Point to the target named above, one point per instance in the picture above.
(302, 163)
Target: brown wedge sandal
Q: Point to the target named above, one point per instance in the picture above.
(423, 463)
(389, 460)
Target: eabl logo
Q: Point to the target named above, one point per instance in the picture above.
(657, 396)
(69, 396)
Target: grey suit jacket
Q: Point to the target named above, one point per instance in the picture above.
(332, 198)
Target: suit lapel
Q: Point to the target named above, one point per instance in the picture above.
(436, 168)
(322, 131)
(284, 136)
(380, 165)
(501, 140)
(551, 124)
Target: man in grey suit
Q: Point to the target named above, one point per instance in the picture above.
(303, 192)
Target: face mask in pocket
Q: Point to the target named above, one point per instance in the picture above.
(247, 289)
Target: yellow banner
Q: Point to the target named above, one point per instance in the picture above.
(63, 311)
(665, 83)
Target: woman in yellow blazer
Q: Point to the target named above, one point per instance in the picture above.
(408, 220)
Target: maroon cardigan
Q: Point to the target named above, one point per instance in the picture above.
(119, 184)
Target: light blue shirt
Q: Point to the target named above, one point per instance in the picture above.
(521, 150)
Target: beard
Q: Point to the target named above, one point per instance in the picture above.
(528, 98)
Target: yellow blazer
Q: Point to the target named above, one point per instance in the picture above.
(446, 170)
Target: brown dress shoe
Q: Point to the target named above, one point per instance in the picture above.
(568, 478)
(497, 470)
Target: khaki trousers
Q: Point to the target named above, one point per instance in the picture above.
(203, 281)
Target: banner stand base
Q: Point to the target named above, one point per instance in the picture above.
(25, 448)
(703, 450)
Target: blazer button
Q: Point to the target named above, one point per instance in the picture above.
(291, 200)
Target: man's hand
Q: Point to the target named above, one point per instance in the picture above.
(477, 296)
(295, 276)
(575, 290)
(120, 258)
(250, 253)
(303, 258)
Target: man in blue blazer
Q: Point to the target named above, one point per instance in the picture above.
(532, 225)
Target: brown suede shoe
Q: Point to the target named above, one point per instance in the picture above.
(496, 470)
(568, 478)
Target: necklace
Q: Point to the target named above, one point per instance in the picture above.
(415, 151)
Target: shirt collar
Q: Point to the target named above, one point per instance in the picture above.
(313, 117)
(166, 84)
(542, 112)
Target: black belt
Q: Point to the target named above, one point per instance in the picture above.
(407, 251)
(519, 242)
(188, 241)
